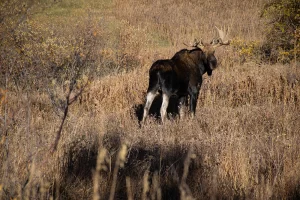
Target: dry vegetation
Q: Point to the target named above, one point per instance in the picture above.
(89, 61)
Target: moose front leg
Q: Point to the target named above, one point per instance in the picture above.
(194, 93)
(193, 104)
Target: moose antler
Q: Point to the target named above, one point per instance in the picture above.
(222, 36)
(196, 44)
(216, 42)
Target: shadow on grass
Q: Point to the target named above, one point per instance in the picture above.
(167, 162)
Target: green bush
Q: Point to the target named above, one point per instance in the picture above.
(283, 33)
(246, 50)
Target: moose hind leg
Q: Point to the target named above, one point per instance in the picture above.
(164, 106)
(182, 106)
(150, 97)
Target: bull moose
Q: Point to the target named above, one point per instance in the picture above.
(182, 75)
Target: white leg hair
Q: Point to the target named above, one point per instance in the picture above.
(181, 110)
(182, 107)
(150, 97)
(164, 106)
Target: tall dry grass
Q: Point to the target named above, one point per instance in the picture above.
(242, 144)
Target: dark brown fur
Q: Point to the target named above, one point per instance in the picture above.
(180, 76)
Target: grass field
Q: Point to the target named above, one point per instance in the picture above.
(242, 144)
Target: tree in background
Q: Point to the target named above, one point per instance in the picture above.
(283, 34)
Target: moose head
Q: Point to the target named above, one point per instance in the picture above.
(209, 48)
